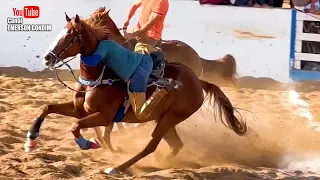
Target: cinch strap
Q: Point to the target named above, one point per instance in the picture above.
(94, 83)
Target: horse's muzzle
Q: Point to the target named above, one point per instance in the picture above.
(48, 59)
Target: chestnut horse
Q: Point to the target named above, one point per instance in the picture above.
(98, 105)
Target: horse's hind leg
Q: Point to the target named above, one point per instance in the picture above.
(166, 122)
(174, 141)
(105, 140)
(101, 140)
(66, 109)
(106, 136)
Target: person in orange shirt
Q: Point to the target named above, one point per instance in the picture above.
(148, 31)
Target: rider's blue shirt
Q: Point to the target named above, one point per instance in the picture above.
(119, 59)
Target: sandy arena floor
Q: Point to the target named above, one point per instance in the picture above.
(283, 142)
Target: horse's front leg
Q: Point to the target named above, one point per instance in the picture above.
(67, 109)
(90, 121)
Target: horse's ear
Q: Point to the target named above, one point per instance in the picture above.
(102, 9)
(77, 19)
(108, 11)
(67, 17)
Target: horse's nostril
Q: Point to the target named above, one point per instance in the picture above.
(47, 57)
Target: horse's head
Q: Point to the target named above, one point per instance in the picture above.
(77, 37)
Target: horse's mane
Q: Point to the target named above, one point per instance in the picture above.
(100, 18)
(96, 26)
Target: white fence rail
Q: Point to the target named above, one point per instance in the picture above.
(301, 36)
(298, 56)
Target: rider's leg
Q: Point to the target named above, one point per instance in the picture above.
(159, 44)
(138, 87)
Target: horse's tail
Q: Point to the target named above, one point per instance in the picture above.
(225, 108)
(226, 67)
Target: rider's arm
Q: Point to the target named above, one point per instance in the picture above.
(102, 49)
(151, 22)
(98, 55)
(134, 7)
(160, 9)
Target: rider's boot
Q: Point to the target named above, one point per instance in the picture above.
(143, 108)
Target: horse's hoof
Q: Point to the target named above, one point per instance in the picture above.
(94, 144)
(118, 150)
(30, 145)
(110, 171)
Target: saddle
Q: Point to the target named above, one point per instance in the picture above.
(159, 62)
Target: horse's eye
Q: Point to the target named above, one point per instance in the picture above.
(68, 37)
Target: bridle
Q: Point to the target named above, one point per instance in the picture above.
(78, 36)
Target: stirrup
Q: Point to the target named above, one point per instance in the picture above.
(165, 82)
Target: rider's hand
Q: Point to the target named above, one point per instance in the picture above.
(125, 25)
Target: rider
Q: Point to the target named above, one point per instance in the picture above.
(135, 69)
(148, 31)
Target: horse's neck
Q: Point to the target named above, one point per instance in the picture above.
(118, 38)
(93, 72)
(91, 42)
(89, 72)
(115, 33)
